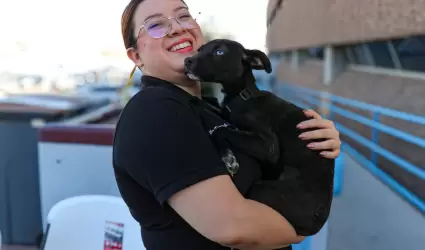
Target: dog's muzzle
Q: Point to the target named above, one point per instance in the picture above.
(187, 71)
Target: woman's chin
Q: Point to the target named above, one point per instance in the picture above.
(179, 66)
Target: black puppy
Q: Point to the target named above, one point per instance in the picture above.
(297, 182)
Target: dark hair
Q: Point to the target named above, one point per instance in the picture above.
(127, 25)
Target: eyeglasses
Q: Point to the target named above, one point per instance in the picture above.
(158, 27)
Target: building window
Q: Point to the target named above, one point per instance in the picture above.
(381, 54)
(362, 55)
(316, 53)
(411, 52)
(406, 54)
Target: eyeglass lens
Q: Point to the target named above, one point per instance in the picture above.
(158, 27)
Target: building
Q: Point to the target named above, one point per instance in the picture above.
(333, 42)
(370, 51)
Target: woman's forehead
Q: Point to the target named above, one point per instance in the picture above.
(151, 8)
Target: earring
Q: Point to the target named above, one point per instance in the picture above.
(130, 78)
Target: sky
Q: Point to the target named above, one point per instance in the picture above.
(74, 27)
(248, 26)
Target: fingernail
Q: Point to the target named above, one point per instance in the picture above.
(302, 136)
(300, 126)
(311, 145)
(323, 153)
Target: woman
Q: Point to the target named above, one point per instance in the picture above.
(168, 171)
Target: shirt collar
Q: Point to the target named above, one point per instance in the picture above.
(154, 81)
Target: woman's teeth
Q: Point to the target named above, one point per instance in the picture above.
(180, 46)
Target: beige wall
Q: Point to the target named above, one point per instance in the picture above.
(305, 23)
(270, 6)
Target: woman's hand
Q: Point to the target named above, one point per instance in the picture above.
(325, 130)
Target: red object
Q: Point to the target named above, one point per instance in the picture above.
(81, 134)
(112, 246)
(114, 234)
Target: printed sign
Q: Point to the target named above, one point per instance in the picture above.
(114, 234)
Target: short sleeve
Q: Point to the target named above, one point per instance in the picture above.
(163, 146)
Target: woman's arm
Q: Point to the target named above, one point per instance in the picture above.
(217, 210)
(325, 129)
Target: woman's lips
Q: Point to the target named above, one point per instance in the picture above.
(184, 50)
(182, 46)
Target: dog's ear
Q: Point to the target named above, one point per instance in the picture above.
(257, 59)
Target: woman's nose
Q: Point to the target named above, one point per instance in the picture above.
(176, 28)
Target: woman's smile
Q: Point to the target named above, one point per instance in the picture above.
(184, 45)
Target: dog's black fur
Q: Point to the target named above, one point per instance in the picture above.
(297, 182)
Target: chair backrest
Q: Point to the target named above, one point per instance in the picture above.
(92, 222)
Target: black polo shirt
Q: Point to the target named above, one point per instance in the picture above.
(162, 145)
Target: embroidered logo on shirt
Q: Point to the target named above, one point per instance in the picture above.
(215, 128)
(230, 161)
(227, 155)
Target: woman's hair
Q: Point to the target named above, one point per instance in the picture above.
(127, 25)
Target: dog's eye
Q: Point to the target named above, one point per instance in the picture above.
(219, 52)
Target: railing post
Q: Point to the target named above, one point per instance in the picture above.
(339, 174)
(325, 105)
(375, 138)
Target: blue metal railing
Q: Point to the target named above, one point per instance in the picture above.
(309, 98)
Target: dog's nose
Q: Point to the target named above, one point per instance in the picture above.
(188, 61)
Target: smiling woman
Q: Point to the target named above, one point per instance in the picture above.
(168, 170)
(150, 26)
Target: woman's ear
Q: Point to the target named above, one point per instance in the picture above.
(134, 56)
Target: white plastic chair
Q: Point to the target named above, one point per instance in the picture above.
(91, 222)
